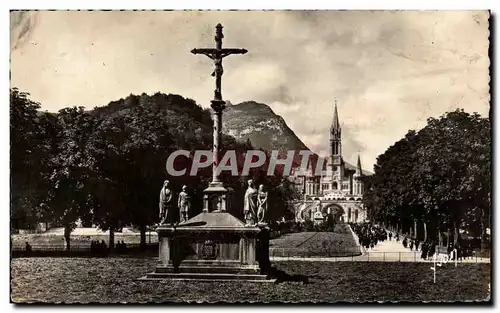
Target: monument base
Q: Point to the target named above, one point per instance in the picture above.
(212, 246)
(207, 272)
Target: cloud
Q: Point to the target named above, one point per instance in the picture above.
(389, 70)
(22, 24)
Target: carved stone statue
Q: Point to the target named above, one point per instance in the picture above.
(184, 204)
(166, 197)
(262, 204)
(318, 206)
(250, 204)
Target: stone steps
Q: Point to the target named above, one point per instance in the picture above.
(207, 277)
(208, 269)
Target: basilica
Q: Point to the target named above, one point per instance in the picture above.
(335, 189)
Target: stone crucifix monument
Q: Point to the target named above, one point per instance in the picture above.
(215, 194)
(215, 245)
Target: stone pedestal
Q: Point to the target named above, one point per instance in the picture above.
(212, 246)
(215, 198)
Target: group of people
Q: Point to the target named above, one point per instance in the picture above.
(428, 248)
(413, 243)
(369, 234)
(121, 246)
(98, 248)
(454, 251)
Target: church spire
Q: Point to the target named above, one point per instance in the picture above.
(335, 140)
(335, 123)
(359, 171)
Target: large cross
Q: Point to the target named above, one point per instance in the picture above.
(217, 55)
(216, 191)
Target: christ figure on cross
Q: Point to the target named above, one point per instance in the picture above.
(217, 55)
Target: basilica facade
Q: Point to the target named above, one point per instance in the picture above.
(337, 188)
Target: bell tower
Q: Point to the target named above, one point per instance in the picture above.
(336, 151)
(358, 183)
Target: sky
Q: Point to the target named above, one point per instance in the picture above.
(388, 70)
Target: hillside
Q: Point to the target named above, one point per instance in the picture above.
(258, 123)
(247, 121)
(170, 102)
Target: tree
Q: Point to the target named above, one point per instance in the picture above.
(72, 170)
(440, 175)
(32, 142)
(131, 149)
(458, 150)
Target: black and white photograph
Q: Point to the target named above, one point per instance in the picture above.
(262, 156)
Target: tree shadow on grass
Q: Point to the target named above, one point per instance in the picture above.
(281, 276)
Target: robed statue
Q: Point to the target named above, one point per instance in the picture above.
(166, 198)
(261, 204)
(184, 204)
(250, 204)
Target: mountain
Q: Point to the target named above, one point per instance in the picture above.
(258, 123)
(266, 130)
(246, 121)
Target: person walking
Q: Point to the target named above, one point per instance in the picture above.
(425, 250)
(28, 248)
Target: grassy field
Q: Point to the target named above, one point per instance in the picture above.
(321, 244)
(104, 280)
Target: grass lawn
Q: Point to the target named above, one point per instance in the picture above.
(115, 280)
(320, 244)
